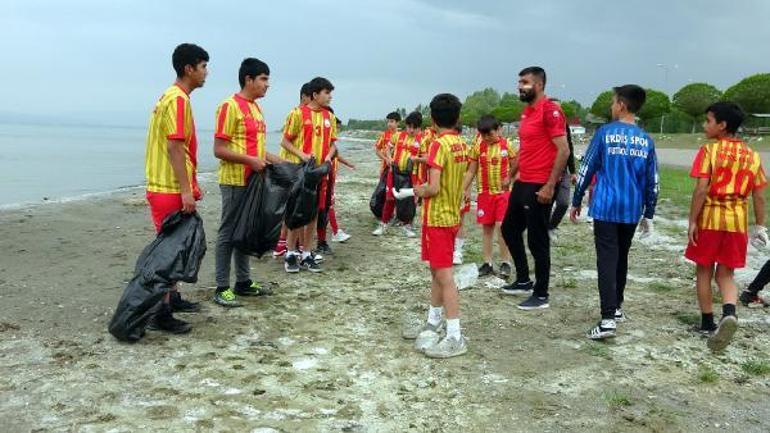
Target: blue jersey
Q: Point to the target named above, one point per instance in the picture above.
(622, 156)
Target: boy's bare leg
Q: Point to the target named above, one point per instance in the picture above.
(436, 298)
(448, 290)
(704, 274)
(726, 283)
(489, 234)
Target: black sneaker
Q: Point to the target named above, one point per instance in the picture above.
(604, 329)
(164, 320)
(252, 288)
(534, 303)
(752, 300)
(291, 263)
(486, 269)
(179, 305)
(703, 332)
(323, 248)
(724, 334)
(518, 288)
(226, 297)
(505, 270)
(620, 316)
(308, 263)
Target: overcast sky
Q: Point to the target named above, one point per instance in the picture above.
(107, 62)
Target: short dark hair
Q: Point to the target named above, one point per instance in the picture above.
(305, 90)
(414, 119)
(535, 71)
(187, 54)
(458, 128)
(631, 95)
(487, 123)
(339, 122)
(445, 110)
(318, 84)
(251, 67)
(728, 112)
(393, 115)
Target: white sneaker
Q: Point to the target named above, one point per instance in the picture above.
(447, 348)
(553, 236)
(426, 339)
(380, 230)
(340, 236)
(457, 257)
(409, 231)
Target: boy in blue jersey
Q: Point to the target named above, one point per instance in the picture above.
(622, 156)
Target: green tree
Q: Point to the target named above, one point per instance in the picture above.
(693, 99)
(752, 93)
(510, 108)
(573, 110)
(477, 104)
(602, 104)
(657, 105)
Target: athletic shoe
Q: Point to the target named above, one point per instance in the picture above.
(426, 339)
(413, 333)
(505, 270)
(752, 300)
(340, 236)
(724, 334)
(316, 257)
(164, 320)
(227, 298)
(534, 303)
(291, 263)
(486, 269)
(323, 248)
(280, 250)
(447, 348)
(604, 329)
(380, 230)
(517, 288)
(703, 332)
(620, 316)
(252, 288)
(409, 231)
(457, 257)
(553, 236)
(179, 305)
(310, 265)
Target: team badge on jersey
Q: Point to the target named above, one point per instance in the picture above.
(327, 123)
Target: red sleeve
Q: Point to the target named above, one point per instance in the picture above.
(180, 113)
(434, 156)
(220, 133)
(554, 120)
(698, 170)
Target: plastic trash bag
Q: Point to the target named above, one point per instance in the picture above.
(302, 205)
(406, 208)
(174, 255)
(377, 202)
(263, 208)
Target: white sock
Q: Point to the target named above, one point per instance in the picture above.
(453, 328)
(434, 315)
(459, 242)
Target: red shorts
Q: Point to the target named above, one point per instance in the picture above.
(438, 246)
(492, 207)
(163, 204)
(724, 248)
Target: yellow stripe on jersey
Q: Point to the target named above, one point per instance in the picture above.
(734, 170)
(449, 154)
(171, 119)
(323, 128)
(493, 159)
(403, 148)
(239, 121)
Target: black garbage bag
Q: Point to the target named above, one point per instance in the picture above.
(263, 208)
(323, 215)
(174, 255)
(377, 202)
(406, 208)
(302, 205)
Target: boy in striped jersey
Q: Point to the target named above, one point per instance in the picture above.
(727, 172)
(622, 156)
(491, 153)
(447, 162)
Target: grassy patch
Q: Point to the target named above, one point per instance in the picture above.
(617, 400)
(707, 374)
(660, 287)
(598, 349)
(690, 319)
(756, 367)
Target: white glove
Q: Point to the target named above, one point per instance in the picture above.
(403, 193)
(645, 228)
(758, 236)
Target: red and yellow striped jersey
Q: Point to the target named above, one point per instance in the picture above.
(734, 170)
(494, 163)
(405, 146)
(427, 138)
(383, 143)
(239, 122)
(449, 154)
(311, 131)
(172, 119)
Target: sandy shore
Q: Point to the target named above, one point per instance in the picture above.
(325, 353)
